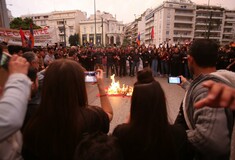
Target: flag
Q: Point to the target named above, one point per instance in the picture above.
(152, 33)
(23, 38)
(138, 39)
(31, 37)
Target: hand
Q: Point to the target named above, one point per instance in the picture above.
(99, 77)
(1, 91)
(18, 65)
(183, 80)
(219, 95)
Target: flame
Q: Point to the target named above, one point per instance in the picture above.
(115, 89)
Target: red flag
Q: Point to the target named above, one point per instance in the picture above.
(138, 39)
(31, 37)
(152, 33)
(23, 38)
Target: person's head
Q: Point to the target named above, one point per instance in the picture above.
(15, 50)
(148, 105)
(32, 74)
(144, 76)
(60, 114)
(202, 53)
(32, 58)
(64, 85)
(98, 146)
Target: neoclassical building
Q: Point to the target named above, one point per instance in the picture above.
(63, 23)
(107, 30)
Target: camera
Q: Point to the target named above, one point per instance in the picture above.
(90, 76)
(174, 80)
(4, 60)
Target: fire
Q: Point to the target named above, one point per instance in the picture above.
(115, 89)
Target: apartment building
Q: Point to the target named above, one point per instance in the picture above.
(4, 19)
(172, 22)
(228, 33)
(108, 30)
(63, 23)
(149, 26)
(209, 22)
(181, 21)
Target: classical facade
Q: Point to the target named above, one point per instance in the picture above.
(64, 23)
(108, 30)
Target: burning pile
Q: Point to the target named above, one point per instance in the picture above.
(115, 89)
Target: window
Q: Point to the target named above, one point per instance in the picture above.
(167, 32)
(43, 23)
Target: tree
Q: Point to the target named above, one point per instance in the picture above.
(74, 40)
(126, 42)
(18, 23)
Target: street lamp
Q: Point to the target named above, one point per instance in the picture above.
(209, 25)
(95, 22)
(102, 36)
(64, 34)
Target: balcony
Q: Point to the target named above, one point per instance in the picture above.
(183, 22)
(184, 14)
(201, 23)
(182, 36)
(228, 26)
(231, 20)
(182, 29)
(228, 32)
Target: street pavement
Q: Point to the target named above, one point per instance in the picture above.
(121, 105)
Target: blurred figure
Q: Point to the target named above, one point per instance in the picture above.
(98, 146)
(204, 125)
(13, 104)
(220, 95)
(64, 115)
(148, 134)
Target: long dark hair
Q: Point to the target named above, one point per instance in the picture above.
(58, 124)
(148, 117)
(148, 109)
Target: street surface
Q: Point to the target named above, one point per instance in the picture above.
(121, 105)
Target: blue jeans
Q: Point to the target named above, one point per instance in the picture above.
(164, 67)
(134, 64)
(154, 67)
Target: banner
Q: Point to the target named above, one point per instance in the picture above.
(41, 36)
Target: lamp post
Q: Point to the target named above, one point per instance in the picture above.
(209, 25)
(64, 34)
(95, 22)
(102, 36)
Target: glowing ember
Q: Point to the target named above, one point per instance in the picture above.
(115, 89)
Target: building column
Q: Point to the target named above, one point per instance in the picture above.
(114, 39)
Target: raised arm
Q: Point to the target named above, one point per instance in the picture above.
(13, 102)
(104, 100)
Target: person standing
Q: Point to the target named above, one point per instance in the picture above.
(208, 129)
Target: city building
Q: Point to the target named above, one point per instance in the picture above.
(108, 30)
(180, 21)
(209, 22)
(228, 27)
(4, 19)
(150, 27)
(63, 23)
(172, 22)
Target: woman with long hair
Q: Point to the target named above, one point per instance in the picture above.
(148, 134)
(64, 115)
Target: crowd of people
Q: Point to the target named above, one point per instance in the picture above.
(44, 110)
(126, 61)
